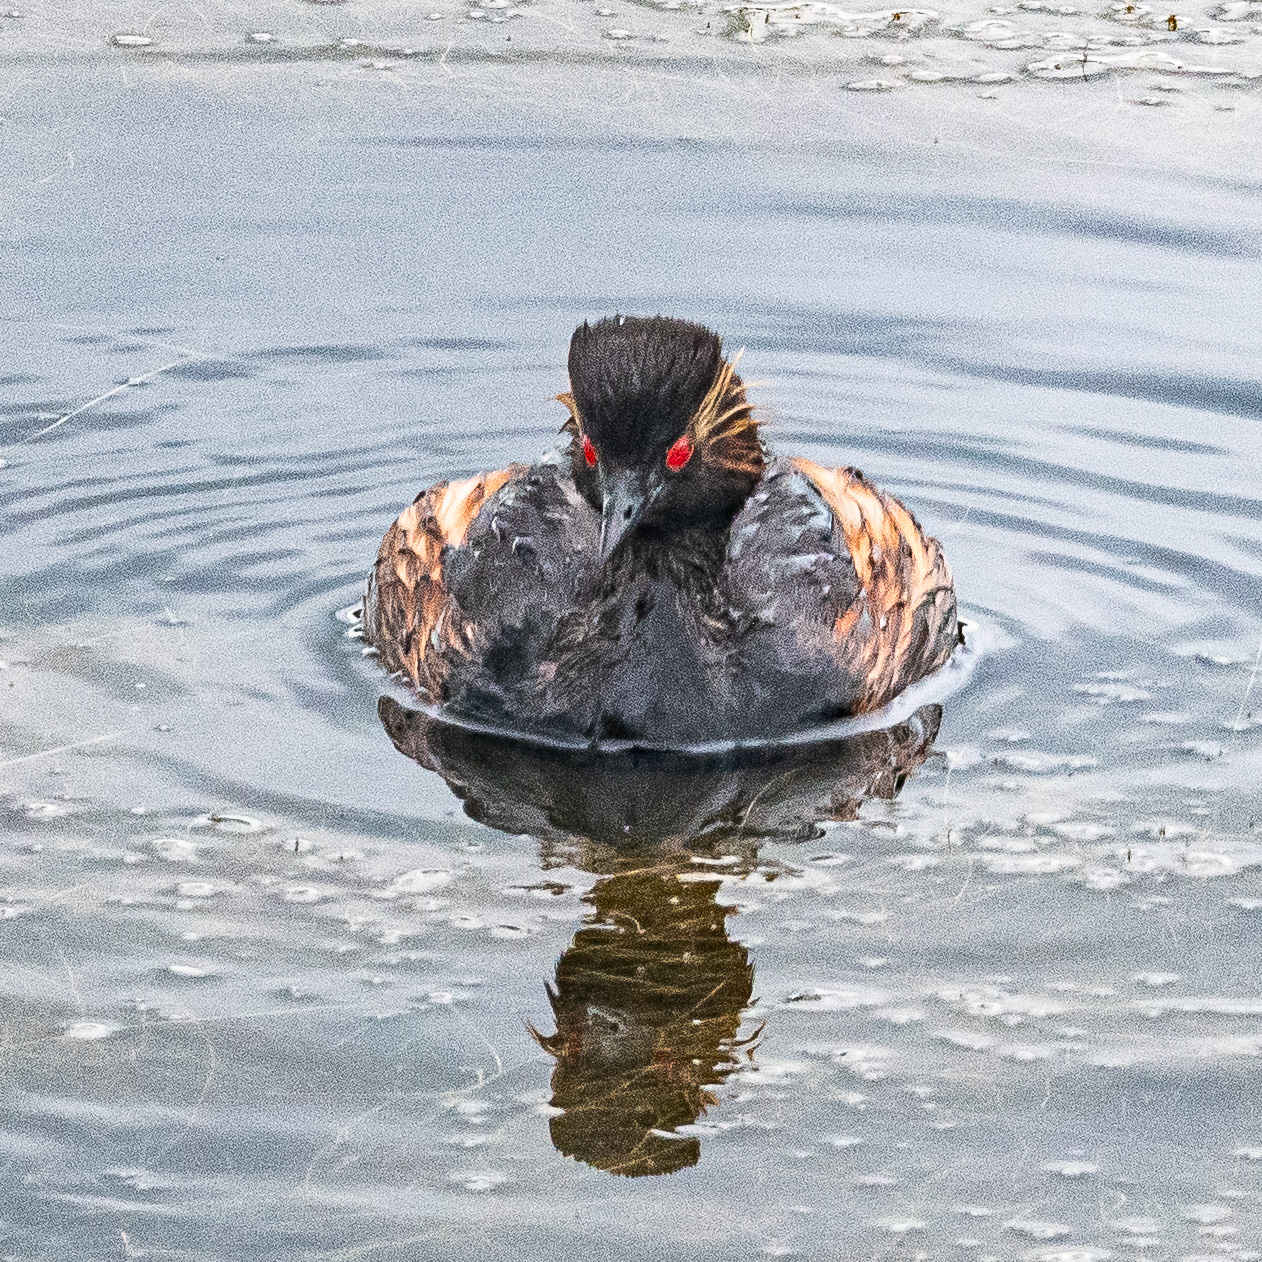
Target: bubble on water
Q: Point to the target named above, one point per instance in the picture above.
(843, 1141)
(302, 894)
(10, 911)
(972, 1211)
(91, 1031)
(187, 970)
(1206, 1215)
(1170, 718)
(442, 998)
(1250, 1152)
(1071, 1169)
(1038, 1229)
(1246, 904)
(1156, 979)
(125, 39)
(260, 37)
(175, 849)
(421, 881)
(196, 889)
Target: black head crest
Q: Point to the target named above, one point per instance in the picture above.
(636, 382)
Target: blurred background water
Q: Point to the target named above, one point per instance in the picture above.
(268, 991)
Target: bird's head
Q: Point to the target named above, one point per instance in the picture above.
(663, 438)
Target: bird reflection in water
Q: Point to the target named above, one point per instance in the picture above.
(648, 999)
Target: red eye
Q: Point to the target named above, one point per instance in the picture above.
(589, 452)
(679, 454)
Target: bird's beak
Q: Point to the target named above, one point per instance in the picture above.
(626, 497)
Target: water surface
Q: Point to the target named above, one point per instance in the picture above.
(270, 984)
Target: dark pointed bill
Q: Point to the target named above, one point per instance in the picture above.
(626, 497)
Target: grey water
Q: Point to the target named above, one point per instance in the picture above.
(271, 989)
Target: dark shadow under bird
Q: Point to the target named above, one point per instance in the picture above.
(661, 577)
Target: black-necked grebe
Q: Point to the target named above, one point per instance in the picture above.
(661, 577)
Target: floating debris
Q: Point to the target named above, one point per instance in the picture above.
(1092, 63)
(223, 823)
(757, 22)
(125, 40)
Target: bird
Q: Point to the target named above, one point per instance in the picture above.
(661, 577)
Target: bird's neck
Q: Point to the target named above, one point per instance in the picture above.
(690, 558)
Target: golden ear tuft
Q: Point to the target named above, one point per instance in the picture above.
(724, 424)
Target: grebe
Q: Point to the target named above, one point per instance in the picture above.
(661, 578)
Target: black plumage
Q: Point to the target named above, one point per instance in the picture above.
(660, 578)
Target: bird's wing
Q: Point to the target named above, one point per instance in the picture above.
(902, 625)
(409, 616)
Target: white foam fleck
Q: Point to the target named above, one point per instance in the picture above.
(1031, 864)
(1206, 1215)
(175, 849)
(915, 862)
(196, 889)
(1087, 1253)
(420, 881)
(91, 1031)
(1071, 1169)
(302, 894)
(1038, 1229)
(1026, 1052)
(901, 1226)
(841, 999)
(478, 1180)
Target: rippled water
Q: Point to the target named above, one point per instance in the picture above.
(270, 985)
